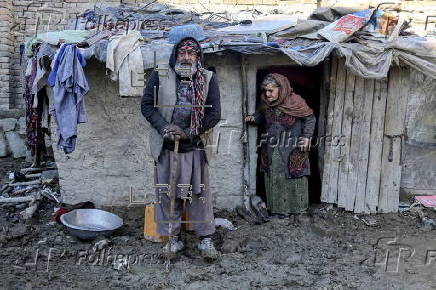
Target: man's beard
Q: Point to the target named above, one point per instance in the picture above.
(185, 69)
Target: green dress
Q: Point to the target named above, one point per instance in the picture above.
(285, 195)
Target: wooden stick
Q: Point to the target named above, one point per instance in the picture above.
(4, 187)
(21, 191)
(36, 175)
(17, 199)
(33, 182)
(25, 170)
(245, 152)
(30, 211)
(173, 186)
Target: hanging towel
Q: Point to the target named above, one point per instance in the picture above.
(124, 59)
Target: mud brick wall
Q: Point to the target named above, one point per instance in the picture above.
(47, 15)
(6, 49)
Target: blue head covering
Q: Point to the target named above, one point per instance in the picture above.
(194, 31)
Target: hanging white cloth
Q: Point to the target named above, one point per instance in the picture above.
(124, 59)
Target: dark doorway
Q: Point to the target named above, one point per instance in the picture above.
(306, 82)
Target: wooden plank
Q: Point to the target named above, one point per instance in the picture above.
(246, 155)
(347, 121)
(322, 117)
(325, 193)
(392, 143)
(252, 130)
(356, 133)
(376, 145)
(363, 153)
(336, 130)
(399, 129)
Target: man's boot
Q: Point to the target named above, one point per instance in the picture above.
(173, 246)
(207, 249)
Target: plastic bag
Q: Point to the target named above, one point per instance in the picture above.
(344, 27)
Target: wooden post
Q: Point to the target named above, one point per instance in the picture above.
(244, 137)
(398, 90)
(322, 117)
(326, 195)
(347, 122)
(335, 157)
(356, 133)
(376, 145)
(363, 152)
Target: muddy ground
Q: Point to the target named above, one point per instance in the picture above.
(323, 249)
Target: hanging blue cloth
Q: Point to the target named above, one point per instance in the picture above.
(54, 71)
(70, 86)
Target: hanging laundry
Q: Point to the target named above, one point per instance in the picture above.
(36, 100)
(45, 56)
(45, 52)
(35, 136)
(56, 37)
(124, 59)
(70, 86)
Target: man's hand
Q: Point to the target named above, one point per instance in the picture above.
(304, 144)
(172, 130)
(249, 118)
(168, 137)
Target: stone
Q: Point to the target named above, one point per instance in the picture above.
(16, 144)
(8, 124)
(231, 246)
(22, 125)
(294, 259)
(29, 157)
(49, 174)
(3, 145)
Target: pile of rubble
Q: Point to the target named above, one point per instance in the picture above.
(28, 187)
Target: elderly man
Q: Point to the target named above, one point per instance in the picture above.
(194, 91)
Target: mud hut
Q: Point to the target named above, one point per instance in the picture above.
(374, 102)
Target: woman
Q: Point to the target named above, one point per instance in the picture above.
(285, 146)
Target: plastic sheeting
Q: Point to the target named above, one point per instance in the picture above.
(366, 56)
(371, 60)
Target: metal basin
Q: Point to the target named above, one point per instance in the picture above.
(87, 224)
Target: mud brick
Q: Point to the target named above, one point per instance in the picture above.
(269, 2)
(245, 2)
(5, 78)
(4, 17)
(5, 89)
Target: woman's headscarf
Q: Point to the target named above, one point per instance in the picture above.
(288, 102)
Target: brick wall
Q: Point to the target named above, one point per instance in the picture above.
(19, 18)
(45, 15)
(6, 49)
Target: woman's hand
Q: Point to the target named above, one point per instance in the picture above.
(250, 118)
(304, 144)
